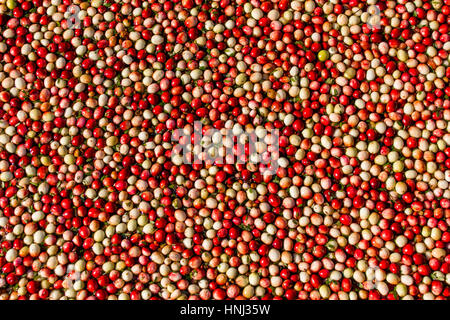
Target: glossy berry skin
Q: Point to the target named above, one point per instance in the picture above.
(226, 150)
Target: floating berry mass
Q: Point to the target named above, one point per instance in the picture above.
(224, 149)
